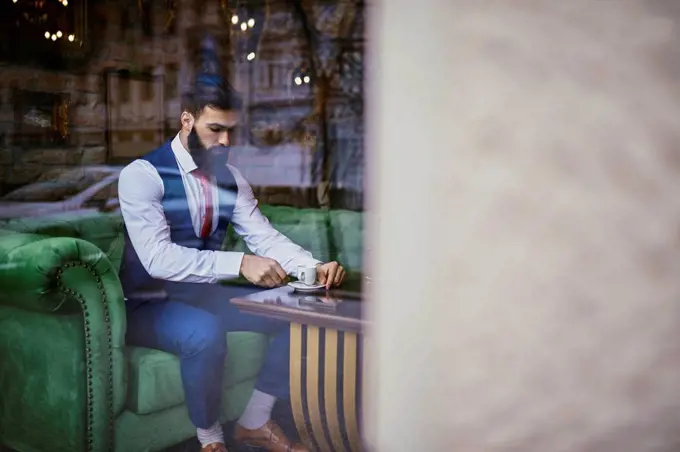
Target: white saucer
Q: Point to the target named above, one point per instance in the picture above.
(300, 287)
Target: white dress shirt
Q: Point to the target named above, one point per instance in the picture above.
(140, 192)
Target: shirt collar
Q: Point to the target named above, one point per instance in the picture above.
(184, 160)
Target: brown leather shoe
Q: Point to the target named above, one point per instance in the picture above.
(215, 447)
(270, 437)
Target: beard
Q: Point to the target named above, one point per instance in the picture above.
(202, 155)
(199, 152)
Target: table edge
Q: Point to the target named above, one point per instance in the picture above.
(293, 315)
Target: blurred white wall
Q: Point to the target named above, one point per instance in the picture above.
(525, 195)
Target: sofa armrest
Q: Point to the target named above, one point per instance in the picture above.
(51, 288)
(34, 276)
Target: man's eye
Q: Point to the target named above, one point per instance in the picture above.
(215, 129)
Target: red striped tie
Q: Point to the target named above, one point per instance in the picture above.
(206, 227)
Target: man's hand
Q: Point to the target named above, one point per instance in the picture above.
(331, 274)
(263, 271)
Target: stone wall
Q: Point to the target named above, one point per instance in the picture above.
(264, 82)
(118, 48)
(19, 166)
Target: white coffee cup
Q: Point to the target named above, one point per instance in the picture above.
(306, 274)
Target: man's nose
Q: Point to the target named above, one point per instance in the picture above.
(224, 138)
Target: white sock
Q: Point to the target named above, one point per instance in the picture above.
(210, 435)
(258, 411)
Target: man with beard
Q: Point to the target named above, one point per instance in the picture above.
(177, 203)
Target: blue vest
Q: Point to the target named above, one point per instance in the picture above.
(133, 276)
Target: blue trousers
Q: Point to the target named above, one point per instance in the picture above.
(192, 324)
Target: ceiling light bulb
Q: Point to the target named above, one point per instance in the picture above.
(59, 34)
(251, 56)
(234, 19)
(306, 79)
(14, 1)
(65, 3)
(251, 23)
(54, 37)
(298, 81)
(244, 26)
(71, 38)
(47, 35)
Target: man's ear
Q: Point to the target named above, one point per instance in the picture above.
(187, 120)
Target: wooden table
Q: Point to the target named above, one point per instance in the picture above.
(325, 360)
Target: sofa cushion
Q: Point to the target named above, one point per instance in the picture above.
(155, 382)
(305, 227)
(347, 234)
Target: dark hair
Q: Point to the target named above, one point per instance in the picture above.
(211, 91)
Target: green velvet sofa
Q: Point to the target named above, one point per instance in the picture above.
(68, 382)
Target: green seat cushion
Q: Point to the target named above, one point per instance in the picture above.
(163, 429)
(155, 382)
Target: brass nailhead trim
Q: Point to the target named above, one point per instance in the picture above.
(88, 350)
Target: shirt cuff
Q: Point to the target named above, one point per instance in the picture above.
(227, 264)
